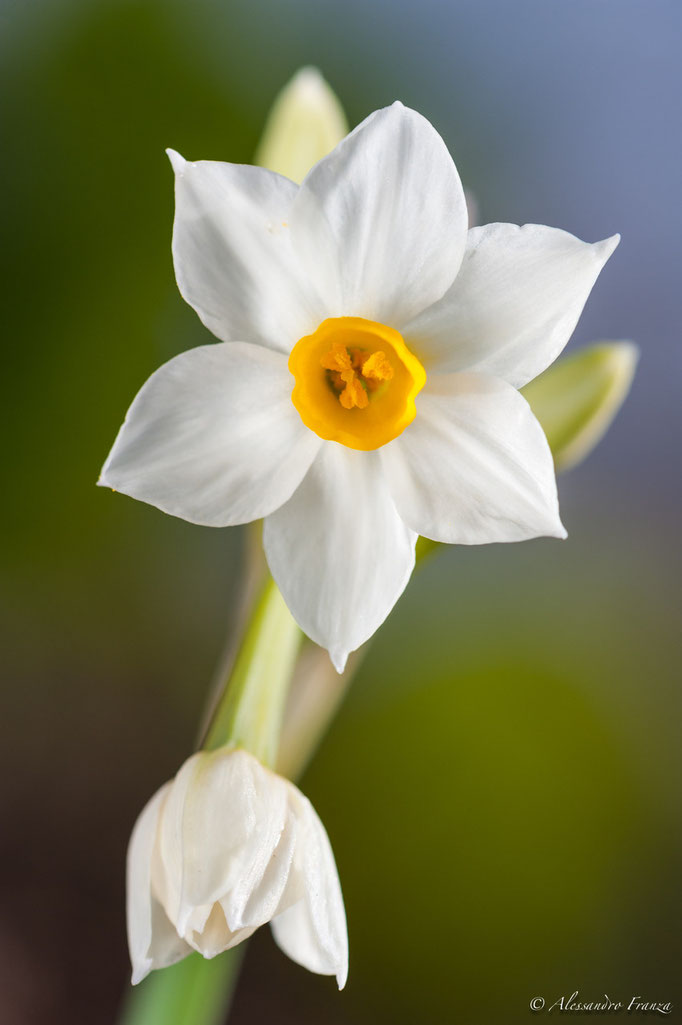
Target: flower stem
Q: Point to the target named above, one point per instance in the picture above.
(249, 711)
(191, 992)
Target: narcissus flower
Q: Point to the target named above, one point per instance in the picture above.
(365, 390)
(223, 848)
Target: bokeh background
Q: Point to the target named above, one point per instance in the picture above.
(503, 785)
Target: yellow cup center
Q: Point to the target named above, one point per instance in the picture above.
(356, 382)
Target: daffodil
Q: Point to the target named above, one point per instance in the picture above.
(364, 390)
(220, 850)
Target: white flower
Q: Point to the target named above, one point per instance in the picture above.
(223, 848)
(407, 338)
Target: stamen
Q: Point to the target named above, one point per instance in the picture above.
(352, 374)
(337, 358)
(353, 394)
(377, 368)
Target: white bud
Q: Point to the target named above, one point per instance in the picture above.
(220, 850)
(305, 123)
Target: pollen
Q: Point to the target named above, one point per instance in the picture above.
(353, 373)
(354, 395)
(338, 358)
(377, 368)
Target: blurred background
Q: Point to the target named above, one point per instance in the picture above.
(503, 785)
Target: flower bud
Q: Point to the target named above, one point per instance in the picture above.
(577, 398)
(224, 847)
(305, 124)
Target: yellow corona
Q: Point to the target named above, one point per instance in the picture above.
(356, 382)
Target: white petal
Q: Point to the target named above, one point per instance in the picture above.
(215, 936)
(233, 256)
(313, 931)
(222, 823)
(514, 303)
(338, 550)
(474, 466)
(206, 930)
(152, 939)
(213, 437)
(267, 896)
(380, 224)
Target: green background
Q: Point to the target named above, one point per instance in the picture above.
(502, 786)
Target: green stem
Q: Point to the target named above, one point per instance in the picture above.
(249, 711)
(192, 992)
